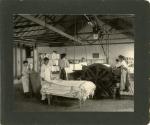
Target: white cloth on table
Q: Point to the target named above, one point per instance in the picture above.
(73, 67)
(73, 89)
(83, 63)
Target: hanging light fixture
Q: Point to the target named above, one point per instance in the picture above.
(95, 32)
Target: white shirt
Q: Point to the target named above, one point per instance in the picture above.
(54, 55)
(124, 64)
(83, 63)
(46, 72)
(63, 63)
(25, 71)
(118, 64)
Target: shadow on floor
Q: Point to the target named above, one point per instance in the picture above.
(59, 104)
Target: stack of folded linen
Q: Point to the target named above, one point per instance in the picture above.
(81, 90)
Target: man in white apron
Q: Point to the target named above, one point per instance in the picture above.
(124, 84)
(25, 78)
(46, 74)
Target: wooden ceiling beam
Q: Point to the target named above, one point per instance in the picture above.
(50, 27)
(36, 42)
(25, 26)
(109, 17)
(60, 20)
(30, 30)
(109, 39)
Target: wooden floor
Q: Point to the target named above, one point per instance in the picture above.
(103, 105)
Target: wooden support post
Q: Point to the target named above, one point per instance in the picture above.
(14, 62)
(35, 59)
(18, 62)
(21, 60)
(23, 54)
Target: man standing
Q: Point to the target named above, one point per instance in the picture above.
(63, 63)
(46, 74)
(124, 74)
(25, 78)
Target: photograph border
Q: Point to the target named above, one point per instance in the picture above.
(141, 11)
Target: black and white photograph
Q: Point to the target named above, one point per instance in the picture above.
(73, 63)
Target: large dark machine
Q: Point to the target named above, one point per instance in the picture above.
(105, 78)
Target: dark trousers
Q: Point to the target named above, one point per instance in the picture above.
(63, 74)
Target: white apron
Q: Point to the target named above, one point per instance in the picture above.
(46, 72)
(25, 79)
(123, 75)
(25, 83)
(46, 75)
(123, 79)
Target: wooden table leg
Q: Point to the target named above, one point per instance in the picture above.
(49, 99)
(114, 92)
(80, 101)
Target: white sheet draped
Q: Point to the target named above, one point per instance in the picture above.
(73, 89)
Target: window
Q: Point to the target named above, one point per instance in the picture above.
(95, 55)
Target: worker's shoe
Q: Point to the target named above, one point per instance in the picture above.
(27, 95)
(126, 90)
(118, 95)
(45, 102)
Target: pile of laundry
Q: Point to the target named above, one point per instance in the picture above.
(81, 90)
